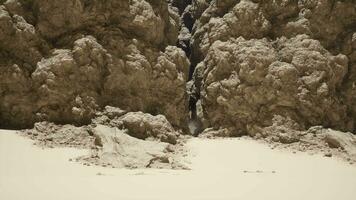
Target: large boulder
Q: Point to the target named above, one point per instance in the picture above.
(68, 83)
(255, 60)
(139, 125)
(246, 82)
(118, 149)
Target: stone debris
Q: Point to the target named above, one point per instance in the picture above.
(118, 139)
(116, 148)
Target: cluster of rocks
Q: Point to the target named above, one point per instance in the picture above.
(316, 140)
(116, 148)
(117, 138)
(62, 61)
(257, 60)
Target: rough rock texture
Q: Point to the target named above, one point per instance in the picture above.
(264, 68)
(247, 82)
(118, 149)
(48, 134)
(62, 61)
(117, 138)
(315, 140)
(139, 125)
(345, 141)
(349, 90)
(258, 60)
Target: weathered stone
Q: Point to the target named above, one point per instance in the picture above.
(121, 150)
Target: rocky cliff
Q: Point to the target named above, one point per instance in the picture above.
(256, 60)
(232, 65)
(62, 61)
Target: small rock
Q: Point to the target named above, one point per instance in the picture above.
(328, 154)
(170, 148)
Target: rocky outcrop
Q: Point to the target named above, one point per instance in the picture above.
(257, 60)
(349, 90)
(46, 134)
(247, 82)
(138, 73)
(139, 125)
(344, 141)
(117, 138)
(63, 61)
(250, 61)
(117, 149)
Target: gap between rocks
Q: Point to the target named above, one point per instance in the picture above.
(184, 42)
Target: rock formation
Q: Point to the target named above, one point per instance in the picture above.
(62, 61)
(117, 138)
(146, 70)
(257, 60)
(118, 149)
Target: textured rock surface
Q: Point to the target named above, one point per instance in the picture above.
(247, 82)
(345, 141)
(62, 61)
(258, 60)
(121, 150)
(117, 138)
(252, 62)
(139, 125)
(284, 70)
(51, 135)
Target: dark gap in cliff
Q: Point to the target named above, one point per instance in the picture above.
(181, 5)
(184, 42)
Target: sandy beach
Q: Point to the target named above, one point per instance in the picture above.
(221, 169)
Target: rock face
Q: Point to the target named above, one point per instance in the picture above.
(247, 82)
(139, 73)
(62, 61)
(258, 60)
(252, 62)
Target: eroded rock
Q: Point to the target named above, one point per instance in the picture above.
(72, 58)
(300, 50)
(48, 134)
(345, 141)
(246, 82)
(118, 149)
(143, 126)
(117, 138)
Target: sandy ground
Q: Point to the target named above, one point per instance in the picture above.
(221, 169)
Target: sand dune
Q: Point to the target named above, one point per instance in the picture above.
(221, 169)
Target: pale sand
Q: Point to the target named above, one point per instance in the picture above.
(30, 173)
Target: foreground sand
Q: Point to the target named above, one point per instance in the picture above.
(221, 169)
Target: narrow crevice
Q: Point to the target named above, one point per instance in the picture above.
(185, 10)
